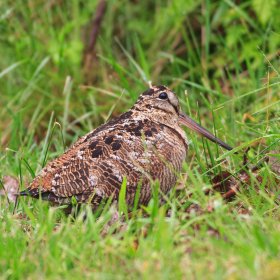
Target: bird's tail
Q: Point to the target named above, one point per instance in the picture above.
(29, 192)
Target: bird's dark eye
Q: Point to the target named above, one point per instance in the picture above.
(163, 95)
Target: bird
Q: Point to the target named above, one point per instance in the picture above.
(143, 145)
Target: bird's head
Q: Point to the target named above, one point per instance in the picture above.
(162, 106)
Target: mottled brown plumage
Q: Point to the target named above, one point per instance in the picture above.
(144, 144)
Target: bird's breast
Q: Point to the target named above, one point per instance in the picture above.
(158, 153)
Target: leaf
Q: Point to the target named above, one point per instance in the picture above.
(122, 198)
(264, 9)
(10, 68)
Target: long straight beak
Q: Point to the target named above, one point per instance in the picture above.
(188, 122)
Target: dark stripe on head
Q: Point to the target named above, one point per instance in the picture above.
(161, 88)
(150, 91)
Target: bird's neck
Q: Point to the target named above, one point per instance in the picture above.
(162, 118)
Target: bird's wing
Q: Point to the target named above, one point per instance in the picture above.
(66, 175)
(94, 164)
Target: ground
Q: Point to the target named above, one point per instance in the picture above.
(221, 58)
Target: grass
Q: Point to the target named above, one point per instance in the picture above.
(221, 58)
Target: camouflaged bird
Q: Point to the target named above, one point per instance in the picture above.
(144, 144)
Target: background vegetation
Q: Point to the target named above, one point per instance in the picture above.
(222, 59)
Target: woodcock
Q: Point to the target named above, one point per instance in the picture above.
(144, 144)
